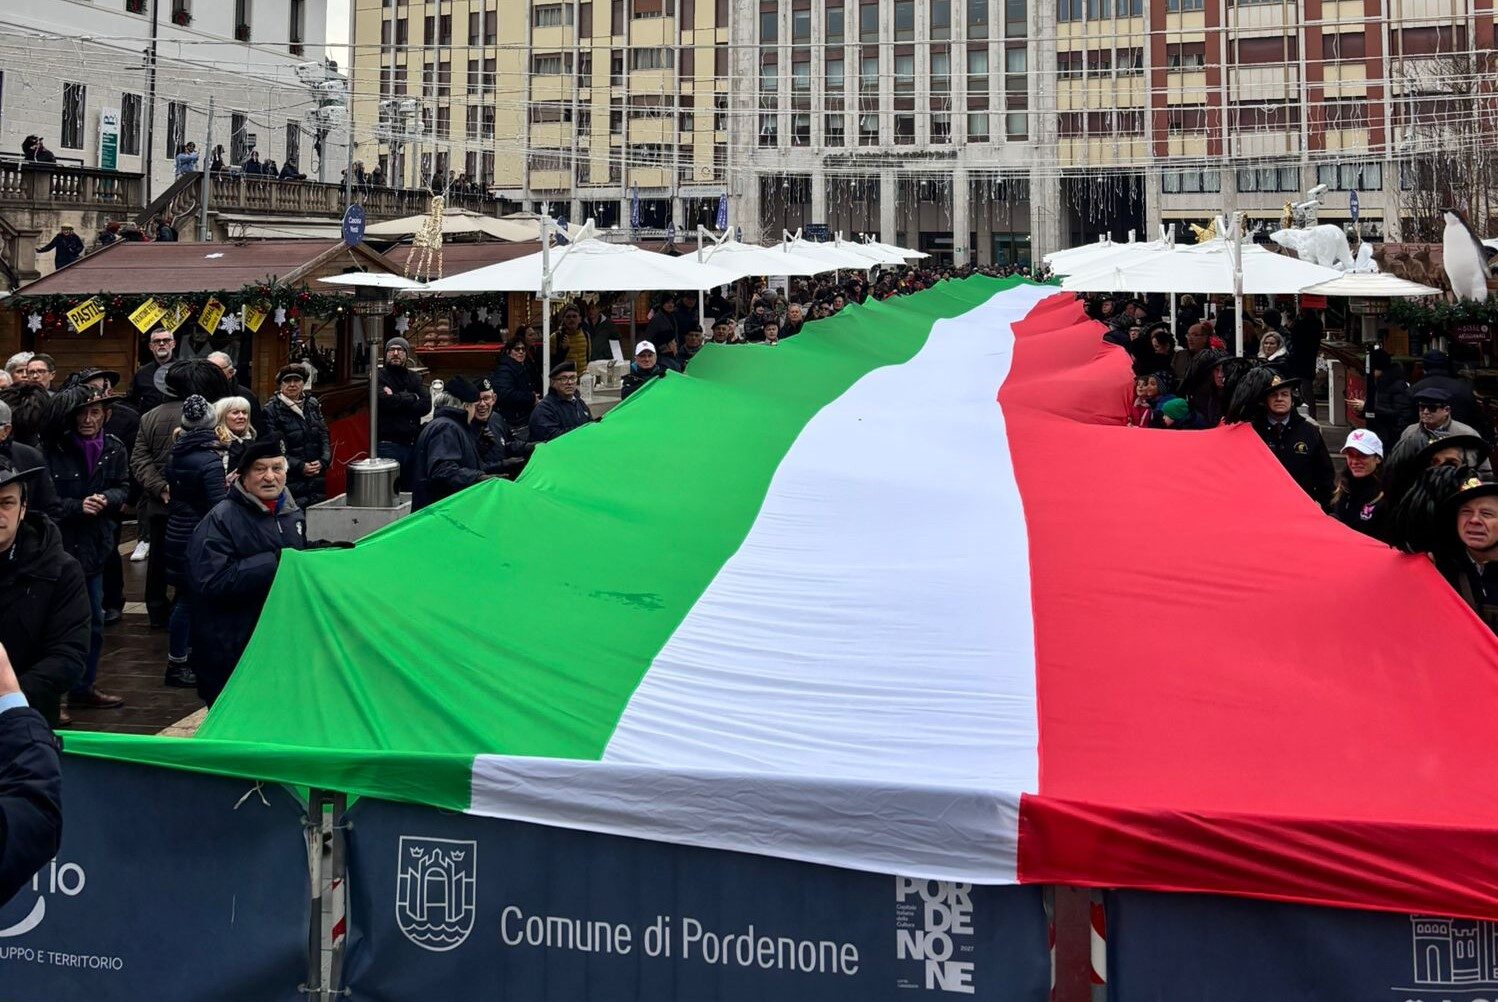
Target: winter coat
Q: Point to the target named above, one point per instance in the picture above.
(44, 614)
(89, 538)
(499, 451)
(446, 458)
(1416, 437)
(1298, 445)
(1305, 346)
(123, 423)
(1464, 406)
(402, 410)
(571, 348)
(195, 472)
(1392, 405)
(143, 394)
(41, 494)
(555, 415)
(153, 446)
(231, 561)
(305, 438)
(637, 377)
(69, 248)
(1360, 504)
(514, 391)
(30, 798)
(662, 328)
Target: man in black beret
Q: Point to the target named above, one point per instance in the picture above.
(445, 459)
(561, 409)
(232, 560)
(500, 453)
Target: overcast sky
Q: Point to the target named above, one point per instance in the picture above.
(338, 31)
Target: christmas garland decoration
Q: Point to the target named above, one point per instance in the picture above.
(1441, 316)
(48, 313)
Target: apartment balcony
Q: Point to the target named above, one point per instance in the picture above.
(1253, 143)
(1186, 145)
(551, 87)
(660, 131)
(551, 135)
(1273, 83)
(1344, 80)
(649, 177)
(1346, 140)
(652, 81)
(1102, 151)
(1186, 87)
(550, 180)
(555, 37)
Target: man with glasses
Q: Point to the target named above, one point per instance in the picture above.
(1433, 406)
(145, 391)
(403, 403)
(561, 410)
(41, 370)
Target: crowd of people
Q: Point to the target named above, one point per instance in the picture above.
(1417, 475)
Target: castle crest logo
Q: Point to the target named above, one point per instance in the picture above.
(436, 891)
(1452, 955)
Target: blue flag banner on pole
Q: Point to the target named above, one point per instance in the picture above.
(634, 208)
(1187, 946)
(169, 886)
(455, 906)
(560, 233)
(721, 222)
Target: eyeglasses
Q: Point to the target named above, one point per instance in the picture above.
(162, 340)
(1432, 407)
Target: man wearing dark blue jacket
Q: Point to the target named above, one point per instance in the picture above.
(446, 457)
(30, 787)
(232, 560)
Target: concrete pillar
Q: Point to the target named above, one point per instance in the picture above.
(983, 252)
(818, 195)
(575, 210)
(961, 219)
(1152, 217)
(1045, 214)
(889, 195)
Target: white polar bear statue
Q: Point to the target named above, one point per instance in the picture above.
(1325, 245)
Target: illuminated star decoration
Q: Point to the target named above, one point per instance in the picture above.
(229, 324)
(34, 322)
(280, 315)
(402, 324)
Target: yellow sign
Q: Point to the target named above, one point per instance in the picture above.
(213, 312)
(146, 314)
(177, 315)
(85, 315)
(254, 316)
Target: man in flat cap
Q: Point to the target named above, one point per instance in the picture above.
(1433, 408)
(232, 560)
(295, 419)
(561, 410)
(446, 457)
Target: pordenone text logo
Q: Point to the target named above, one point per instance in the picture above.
(436, 891)
(934, 930)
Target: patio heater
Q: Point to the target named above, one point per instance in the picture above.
(371, 481)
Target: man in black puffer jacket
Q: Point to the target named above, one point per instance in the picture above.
(44, 612)
(195, 474)
(295, 420)
(91, 471)
(30, 787)
(232, 560)
(446, 458)
(403, 403)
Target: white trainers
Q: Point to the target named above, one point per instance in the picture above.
(142, 548)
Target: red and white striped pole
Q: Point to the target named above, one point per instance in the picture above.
(1099, 948)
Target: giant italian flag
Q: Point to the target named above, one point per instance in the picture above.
(902, 594)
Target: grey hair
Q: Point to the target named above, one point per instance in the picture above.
(221, 359)
(4, 412)
(17, 361)
(442, 398)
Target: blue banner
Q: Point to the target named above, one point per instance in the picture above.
(163, 890)
(1215, 949)
(445, 906)
(721, 221)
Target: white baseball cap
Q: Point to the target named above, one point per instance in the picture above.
(647, 346)
(1364, 441)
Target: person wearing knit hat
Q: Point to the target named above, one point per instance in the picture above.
(1177, 413)
(196, 413)
(195, 476)
(403, 403)
(445, 459)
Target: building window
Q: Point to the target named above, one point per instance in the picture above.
(904, 130)
(176, 128)
(1185, 56)
(135, 6)
(769, 82)
(491, 27)
(651, 59)
(1016, 125)
(130, 107)
(941, 129)
(941, 19)
(1351, 177)
(1190, 182)
(1014, 61)
(941, 71)
(977, 71)
(835, 78)
(182, 12)
(239, 146)
(904, 20)
(1016, 19)
(868, 22)
(801, 26)
(242, 20)
(801, 76)
(293, 144)
(1174, 6)
(553, 15)
(296, 29)
(769, 130)
(868, 130)
(548, 65)
(74, 99)
(475, 20)
(769, 26)
(905, 74)
(977, 127)
(647, 8)
(616, 122)
(801, 130)
(868, 75)
(1269, 179)
(977, 18)
(1069, 10)
(834, 129)
(834, 23)
(445, 30)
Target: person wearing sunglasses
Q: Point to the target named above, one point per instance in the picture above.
(1433, 422)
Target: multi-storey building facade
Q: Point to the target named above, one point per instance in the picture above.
(982, 130)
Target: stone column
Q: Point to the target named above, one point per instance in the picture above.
(961, 220)
(889, 194)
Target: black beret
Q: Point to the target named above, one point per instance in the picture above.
(561, 368)
(261, 448)
(461, 389)
(485, 385)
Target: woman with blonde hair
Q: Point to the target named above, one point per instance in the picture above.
(232, 426)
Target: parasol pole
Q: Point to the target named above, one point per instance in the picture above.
(546, 300)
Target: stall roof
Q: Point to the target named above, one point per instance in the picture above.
(137, 267)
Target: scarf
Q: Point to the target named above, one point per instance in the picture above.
(92, 449)
(293, 404)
